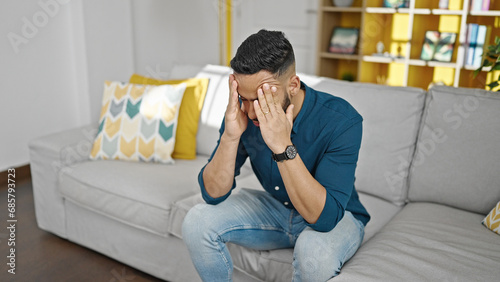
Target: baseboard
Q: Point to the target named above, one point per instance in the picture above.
(21, 174)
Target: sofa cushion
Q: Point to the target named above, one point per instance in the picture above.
(189, 112)
(391, 121)
(457, 159)
(138, 122)
(214, 108)
(381, 212)
(138, 194)
(428, 242)
(492, 220)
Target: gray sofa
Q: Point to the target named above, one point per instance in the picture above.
(428, 173)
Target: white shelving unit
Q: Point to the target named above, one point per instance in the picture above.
(376, 23)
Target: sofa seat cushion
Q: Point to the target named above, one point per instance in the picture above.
(381, 212)
(428, 242)
(135, 193)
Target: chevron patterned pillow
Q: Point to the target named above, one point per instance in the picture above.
(138, 122)
(492, 220)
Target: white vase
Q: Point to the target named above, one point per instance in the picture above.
(342, 3)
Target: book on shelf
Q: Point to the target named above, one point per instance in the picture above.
(470, 43)
(438, 46)
(478, 37)
(480, 5)
(486, 5)
(443, 4)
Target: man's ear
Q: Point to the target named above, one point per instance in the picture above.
(294, 85)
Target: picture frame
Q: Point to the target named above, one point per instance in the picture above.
(344, 40)
(396, 3)
(445, 46)
(438, 46)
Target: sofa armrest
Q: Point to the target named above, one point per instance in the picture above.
(49, 155)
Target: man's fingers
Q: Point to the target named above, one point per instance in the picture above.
(263, 105)
(233, 94)
(289, 114)
(258, 111)
(268, 95)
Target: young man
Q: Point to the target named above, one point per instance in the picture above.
(303, 146)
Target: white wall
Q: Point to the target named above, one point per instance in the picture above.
(38, 93)
(172, 32)
(52, 76)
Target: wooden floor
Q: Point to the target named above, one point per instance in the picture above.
(41, 256)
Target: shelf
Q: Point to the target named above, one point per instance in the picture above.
(384, 10)
(422, 11)
(342, 9)
(379, 10)
(422, 63)
(485, 13)
(447, 12)
(402, 31)
(383, 59)
(441, 64)
(327, 55)
(472, 68)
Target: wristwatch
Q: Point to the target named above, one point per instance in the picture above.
(289, 154)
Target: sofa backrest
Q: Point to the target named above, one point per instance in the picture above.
(214, 107)
(457, 161)
(392, 118)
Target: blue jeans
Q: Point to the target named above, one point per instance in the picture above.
(256, 220)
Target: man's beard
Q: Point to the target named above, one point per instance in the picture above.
(286, 102)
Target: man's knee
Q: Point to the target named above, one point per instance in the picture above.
(195, 223)
(312, 259)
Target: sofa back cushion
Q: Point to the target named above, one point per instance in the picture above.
(458, 151)
(391, 121)
(214, 108)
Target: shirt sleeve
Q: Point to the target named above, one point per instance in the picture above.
(336, 173)
(240, 160)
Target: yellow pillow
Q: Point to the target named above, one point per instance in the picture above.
(492, 220)
(189, 113)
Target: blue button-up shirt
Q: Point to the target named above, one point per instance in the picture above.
(327, 134)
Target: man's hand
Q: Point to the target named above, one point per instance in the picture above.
(235, 119)
(275, 124)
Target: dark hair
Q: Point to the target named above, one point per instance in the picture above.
(264, 50)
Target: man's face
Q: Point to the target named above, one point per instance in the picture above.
(249, 84)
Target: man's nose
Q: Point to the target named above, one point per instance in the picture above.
(250, 110)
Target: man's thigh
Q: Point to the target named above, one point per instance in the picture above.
(249, 218)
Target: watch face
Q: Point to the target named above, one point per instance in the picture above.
(291, 152)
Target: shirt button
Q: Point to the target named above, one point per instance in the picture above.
(286, 203)
(276, 188)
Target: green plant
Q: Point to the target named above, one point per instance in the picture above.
(348, 76)
(491, 59)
